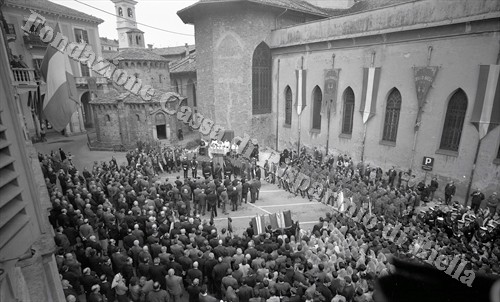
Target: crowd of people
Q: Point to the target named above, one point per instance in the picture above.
(123, 234)
(451, 229)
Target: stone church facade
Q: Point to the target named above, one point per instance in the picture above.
(122, 118)
(249, 56)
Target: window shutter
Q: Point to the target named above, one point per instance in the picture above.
(85, 36)
(13, 216)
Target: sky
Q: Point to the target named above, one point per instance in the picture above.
(157, 13)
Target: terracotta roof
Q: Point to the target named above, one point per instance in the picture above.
(138, 54)
(305, 7)
(109, 41)
(109, 55)
(187, 64)
(45, 6)
(114, 95)
(175, 50)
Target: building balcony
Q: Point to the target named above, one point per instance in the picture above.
(24, 77)
(83, 82)
(33, 41)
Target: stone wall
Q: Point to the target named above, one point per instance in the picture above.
(458, 58)
(151, 73)
(125, 123)
(226, 40)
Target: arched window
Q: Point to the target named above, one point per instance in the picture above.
(138, 117)
(454, 121)
(108, 118)
(288, 105)
(129, 12)
(392, 110)
(261, 80)
(137, 40)
(348, 114)
(159, 78)
(120, 12)
(317, 99)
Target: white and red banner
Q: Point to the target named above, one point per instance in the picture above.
(486, 112)
(61, 97)
(301, 90)
(371, 79)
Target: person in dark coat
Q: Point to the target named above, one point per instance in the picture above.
(449, 192)
(219, 272)
(477, 198)
(245, 292)
(433, 188)
(158, 294)
(194, 290)
(205, 297)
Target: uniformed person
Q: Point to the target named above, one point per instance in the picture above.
(194, 167)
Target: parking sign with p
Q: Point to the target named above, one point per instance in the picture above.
(427, 163)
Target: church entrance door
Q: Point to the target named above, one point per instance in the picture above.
(161, 132)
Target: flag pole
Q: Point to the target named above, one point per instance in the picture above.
(476, 155)
(472, 172)
(298, 141)
(419, 116)
(329, 108)
(278, 105)
(372, 64)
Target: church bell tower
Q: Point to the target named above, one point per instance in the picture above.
(129, 36)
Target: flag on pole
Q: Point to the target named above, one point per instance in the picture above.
(424, 77)
(61, 101)
(287, 219)
(330, 94)
(371, 79)
(281, 220)
(258, 225)
(274, 221)
(486, 112)
(301, 90)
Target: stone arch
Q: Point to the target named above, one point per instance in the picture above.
(87, 110)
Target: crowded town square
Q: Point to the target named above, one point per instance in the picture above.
(250, 151)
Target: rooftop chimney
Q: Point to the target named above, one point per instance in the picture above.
(150, 46)
(186, 46)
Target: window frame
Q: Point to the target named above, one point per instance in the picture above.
(262, 80)
(317, 99)
(351, 117)
(390, 137)
(447, 147)
(82, 30)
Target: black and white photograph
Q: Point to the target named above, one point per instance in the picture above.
(250, 151)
